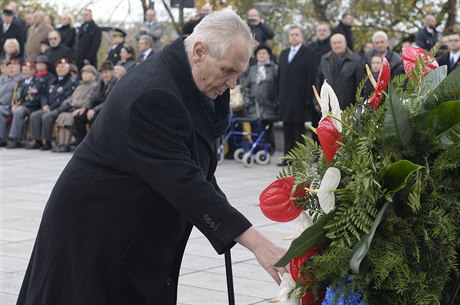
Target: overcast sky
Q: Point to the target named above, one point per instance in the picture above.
(113, 10)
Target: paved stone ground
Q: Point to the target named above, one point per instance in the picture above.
(26, 180)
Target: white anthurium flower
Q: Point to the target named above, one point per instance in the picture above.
(304, 221)
(329, 101)
(330, 181)
(286, 286)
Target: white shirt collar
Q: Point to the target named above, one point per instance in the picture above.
(455, 55)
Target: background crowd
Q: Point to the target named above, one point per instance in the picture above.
(52, 86)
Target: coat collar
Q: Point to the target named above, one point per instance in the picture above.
(175, 58)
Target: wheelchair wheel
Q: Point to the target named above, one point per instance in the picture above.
(262, 157)
(238, 155)
(248, 159)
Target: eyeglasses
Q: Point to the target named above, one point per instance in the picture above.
(53, 38)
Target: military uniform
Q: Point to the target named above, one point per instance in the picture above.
(30, 96)
(114, 54)
(42, 122)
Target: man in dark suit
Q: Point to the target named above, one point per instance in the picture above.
(297, 75)
(11, 29)
(117, 222)
(145, 48)
(89, 40)
(452, 57)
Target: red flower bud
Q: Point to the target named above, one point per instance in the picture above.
(328, 135)
(275, 200)
(382, 83)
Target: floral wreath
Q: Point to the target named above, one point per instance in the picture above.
(378, 203)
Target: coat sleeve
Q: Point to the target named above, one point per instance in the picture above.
(157, 152)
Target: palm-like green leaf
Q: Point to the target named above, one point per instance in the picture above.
(314, 235)
(396, 175)
(397, 122)
(434, 78)
(362, 247)
(444, 122)
(448, 90)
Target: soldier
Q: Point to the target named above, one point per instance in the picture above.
(29, 96)
(8, 83)
(42, 120)
(118, 40)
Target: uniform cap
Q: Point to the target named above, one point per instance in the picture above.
(61, 61)
(118, 32)
(7, 12)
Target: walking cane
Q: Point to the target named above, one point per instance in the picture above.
(228, 269)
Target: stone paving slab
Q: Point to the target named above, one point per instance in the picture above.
(27, 178)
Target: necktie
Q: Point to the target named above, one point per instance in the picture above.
(149, 26)
(452, 62)
(291, 55)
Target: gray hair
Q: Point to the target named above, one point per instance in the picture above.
(381, 34)
(147, 39)
(217, 31)
(14, 42)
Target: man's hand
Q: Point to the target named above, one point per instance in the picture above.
(266, 252)
(90, 114)
(78, 111)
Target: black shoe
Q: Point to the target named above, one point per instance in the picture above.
(14, 144)
(46, 146)
(282, 163)
(2, 144)
(56, 148)
(63, 148)
(37, 144)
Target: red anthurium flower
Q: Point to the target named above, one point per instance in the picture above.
(328, 135)
(382, 83)
(275, 200)
(411, 55)
(295, 266)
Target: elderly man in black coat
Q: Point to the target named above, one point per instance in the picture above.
(343, 70)
(297, 74)
(117, 222)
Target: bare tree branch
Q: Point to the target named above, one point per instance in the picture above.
(176, 26)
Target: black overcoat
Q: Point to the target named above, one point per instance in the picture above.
(88, 42)
(295, 84)
(116, 224)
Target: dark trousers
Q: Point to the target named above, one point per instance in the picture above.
(292, 133)
(80, 126)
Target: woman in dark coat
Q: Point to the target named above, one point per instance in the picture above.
(259, 96)
(67, 31)
(127, 58)
(116, 225)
